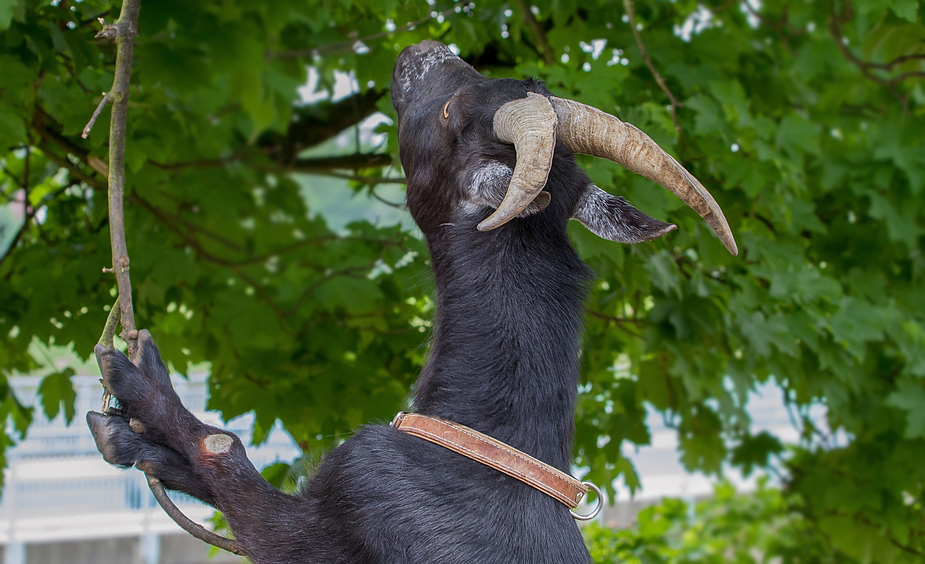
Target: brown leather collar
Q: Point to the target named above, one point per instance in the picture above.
(501, 457)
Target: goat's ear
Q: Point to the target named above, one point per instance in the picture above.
(613, 218)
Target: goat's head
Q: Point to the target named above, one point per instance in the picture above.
(470, 145)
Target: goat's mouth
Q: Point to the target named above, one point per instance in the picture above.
(533, 124)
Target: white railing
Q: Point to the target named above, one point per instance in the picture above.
(58, 488)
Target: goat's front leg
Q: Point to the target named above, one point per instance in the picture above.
(158, 435)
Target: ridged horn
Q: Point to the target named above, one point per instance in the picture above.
(589, 131)
(530, 125)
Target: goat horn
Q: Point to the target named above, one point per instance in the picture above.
(530, 124)
(589, 131)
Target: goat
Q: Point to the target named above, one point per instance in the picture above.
(492, 183)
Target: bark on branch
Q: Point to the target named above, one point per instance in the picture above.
(628, 4)
(315, 124)
(96, 115)
(835, 21)
(541, 42)
(123, 31)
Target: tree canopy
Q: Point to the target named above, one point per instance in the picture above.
(804, 119)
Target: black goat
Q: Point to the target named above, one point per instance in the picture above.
(505, 353)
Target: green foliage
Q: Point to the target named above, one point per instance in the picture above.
(803, 119)
(762, 526)
(56, 392)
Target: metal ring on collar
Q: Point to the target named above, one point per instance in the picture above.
(597, 508)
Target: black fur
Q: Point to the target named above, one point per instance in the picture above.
(504, 360)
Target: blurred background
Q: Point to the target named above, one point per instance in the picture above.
(760, 408)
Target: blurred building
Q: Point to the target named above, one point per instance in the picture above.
(62, 504)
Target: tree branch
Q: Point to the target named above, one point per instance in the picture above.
(897, 61)
(396, 205)
(347, 162)
(318, 165)
(372, 182)
(778, 26)
(282, 149)
(27, 211)
(169, 221)
(628, 4)
(96, 115)
(620, 322)
(88, 179)
(200, 163)
(865, 66)
(541, 42)
(316, 124)
(109, 329)
(123, 31)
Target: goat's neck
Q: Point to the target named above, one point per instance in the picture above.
(504, 357)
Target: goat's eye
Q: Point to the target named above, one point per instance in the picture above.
(446, 111)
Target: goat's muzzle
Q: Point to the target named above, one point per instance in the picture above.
(533, 123)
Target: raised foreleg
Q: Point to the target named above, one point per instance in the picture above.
(155, 433)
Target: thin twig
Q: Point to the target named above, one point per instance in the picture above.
(835, 27)
(905, 75)
(620, 322)
(541, 42)
(777, 26)
(365, 180)
(201, 163)
(628, 4)
(63, 161)
(28, 212)
(396, 205)
(109, 331)
(862, 65)
(69, 64)
(96, 115)
(16, 181)
(123, 31)
(112, 323)
(170, 222)
(897, 61)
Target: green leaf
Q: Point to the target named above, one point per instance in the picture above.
(664, 273)
(755, 451)
(57, 392)
(910, 397)
(12, 126)
(7, 8)
(906, 9)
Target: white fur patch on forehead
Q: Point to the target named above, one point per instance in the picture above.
(433, 58)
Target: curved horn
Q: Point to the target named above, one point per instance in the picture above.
(530, 124)
(589, 131)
